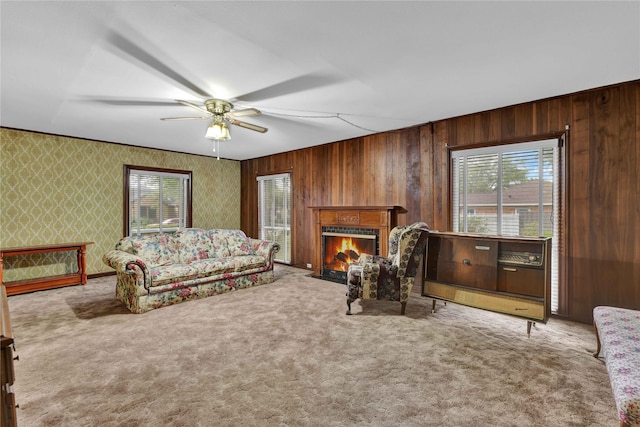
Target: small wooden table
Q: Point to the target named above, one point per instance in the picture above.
(48, 282)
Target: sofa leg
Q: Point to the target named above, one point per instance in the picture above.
(403, 307)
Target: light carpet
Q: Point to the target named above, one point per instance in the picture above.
(285, 354)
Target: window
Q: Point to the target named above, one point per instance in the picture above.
(511, 190)
(156, 200)
(274, 212)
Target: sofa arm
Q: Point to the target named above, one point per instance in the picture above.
(265, 248)
(126, 263)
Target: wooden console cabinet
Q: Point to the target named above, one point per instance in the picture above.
(510, 275)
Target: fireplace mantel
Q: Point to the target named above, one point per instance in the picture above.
(382, 218)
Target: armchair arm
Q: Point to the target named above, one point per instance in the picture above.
(365, 259)
(373, 259)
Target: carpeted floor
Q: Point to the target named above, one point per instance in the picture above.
(285, 354)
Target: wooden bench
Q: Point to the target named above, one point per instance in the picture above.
(618, 336)
(48, 282)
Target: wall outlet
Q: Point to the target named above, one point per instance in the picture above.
(308, 265)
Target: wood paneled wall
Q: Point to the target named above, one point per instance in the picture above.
(409, 168)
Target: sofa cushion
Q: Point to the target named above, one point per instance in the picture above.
(171, 273)
(192, 244)
(219, 244)
(238, 243)
(214, 266)
(155, 249)
(247, 262)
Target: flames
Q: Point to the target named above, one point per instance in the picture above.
(342, 251)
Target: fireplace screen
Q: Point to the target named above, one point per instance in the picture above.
(342, 249)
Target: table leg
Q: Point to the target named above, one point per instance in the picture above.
(82, 264)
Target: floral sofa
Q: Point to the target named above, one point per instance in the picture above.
(155, 270)
(618, 338)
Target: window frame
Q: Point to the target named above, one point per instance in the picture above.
(563, 140)
(155, 171)
(259, 180)
(498, 150)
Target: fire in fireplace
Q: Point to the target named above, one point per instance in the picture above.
(342, 249)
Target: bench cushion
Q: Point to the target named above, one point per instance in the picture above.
(619, 334)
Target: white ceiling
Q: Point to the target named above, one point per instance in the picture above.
(319, 71)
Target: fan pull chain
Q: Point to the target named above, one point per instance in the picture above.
(216, 148)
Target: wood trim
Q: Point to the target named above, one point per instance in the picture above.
(103, 274)
(540, 137)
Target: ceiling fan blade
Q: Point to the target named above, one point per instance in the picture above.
(248, 125)
(130, 102)
(185, 118)
(296, 84)
(131, 50)
(245, 112)
(192, 105)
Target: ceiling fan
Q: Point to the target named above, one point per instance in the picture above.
(221, 112)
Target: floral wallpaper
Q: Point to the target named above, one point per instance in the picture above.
(57, 189)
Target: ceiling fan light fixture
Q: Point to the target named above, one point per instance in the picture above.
(218, 131)
(225, 133)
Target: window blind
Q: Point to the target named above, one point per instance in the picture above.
(510, 190)
(158, 201)
(274, 212)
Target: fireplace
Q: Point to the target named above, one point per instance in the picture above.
(342, 247)
(360, 223)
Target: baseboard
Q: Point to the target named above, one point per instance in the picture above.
(97, 275)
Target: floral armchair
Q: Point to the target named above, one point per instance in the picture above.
(390, 278)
